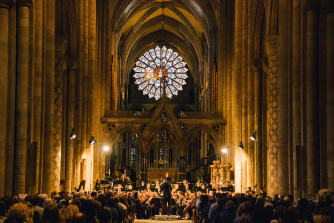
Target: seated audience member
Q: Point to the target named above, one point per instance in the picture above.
(79, 218)
(20, 213)
(51, 214)
(71, 210)
(228, 215)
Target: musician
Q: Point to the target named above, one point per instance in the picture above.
(98, 185)
(249, 191)
(197, 186)
(166, 189)
(148, 186)
(124, 182)
(142, 186)
(182, 187)
(157, 186)
(263, 193)
(169, 180)
(230, 187)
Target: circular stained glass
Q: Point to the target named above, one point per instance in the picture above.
(160, 70)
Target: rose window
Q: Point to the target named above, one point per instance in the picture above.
(160, 71)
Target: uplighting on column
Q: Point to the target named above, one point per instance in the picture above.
(73, 135)
(241, 146)
(253, 136)
(92, 140)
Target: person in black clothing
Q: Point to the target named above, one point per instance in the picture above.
(263, 193)
(167, 190)
(169, 180)
(124, 182)
(142, 187)
(182, 187)
(98, 185)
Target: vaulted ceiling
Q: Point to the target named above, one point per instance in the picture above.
(187, 23)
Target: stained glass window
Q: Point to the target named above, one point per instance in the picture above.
(160, 70)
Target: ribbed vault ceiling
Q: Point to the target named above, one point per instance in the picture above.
(186, 22)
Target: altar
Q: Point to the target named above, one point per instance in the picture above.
(220, 173)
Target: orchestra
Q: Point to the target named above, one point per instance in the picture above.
(171, 198)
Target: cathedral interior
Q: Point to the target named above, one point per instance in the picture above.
(208, 90)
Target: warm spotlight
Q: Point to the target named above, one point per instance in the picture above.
(92, 140)
(106, 148)
(253, 137)
(73, 135)
(224, 150)
(241, 146)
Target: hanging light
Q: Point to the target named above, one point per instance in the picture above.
(92, 140)
(73, 135)
(253, 136)
(241, 146)
(224, 150)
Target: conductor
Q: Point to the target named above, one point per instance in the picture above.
(167, 189)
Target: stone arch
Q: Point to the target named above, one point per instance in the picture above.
(162, 127)
(259, 25)
(178, 44)
(114, 134)
(183, 30)
(216, 140)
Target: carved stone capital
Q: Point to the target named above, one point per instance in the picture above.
(257, 65)
(272, 46)
(61, 45)
(182, 153)
(72, 63)
(27, 3)
(6, 3)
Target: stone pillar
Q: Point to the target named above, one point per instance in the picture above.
(92, 81)
(85, 139)
(182, 164)
(38, 4)
(329, 96)
(250, 98)
(144, 165)
(273, 178)
(50, 181)
(21, 115)
(78, 88)
(236, 96)
(312, 98)
(283, 99)
(4, 37)
(72, 65)
(296, 93)
(244, 119)
(257, 69)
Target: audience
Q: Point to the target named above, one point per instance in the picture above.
(115, 207)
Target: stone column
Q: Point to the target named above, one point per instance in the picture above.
(72, 65)
(296, 94)
(50, 181)
(273, 178)
(38, 4)
(312, 97)
(283, 99)
(144, 166)
(78, 105)
(236, 96)
(182, 164)
(244, 78)
(329, 96)
(257, 69)
(4, 37)
(92, 81)
(21, 114)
